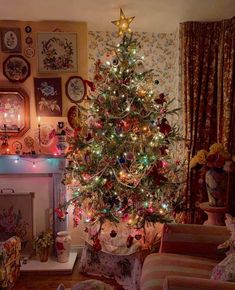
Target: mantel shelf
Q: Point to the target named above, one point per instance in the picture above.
(33, 164)
(33, 156)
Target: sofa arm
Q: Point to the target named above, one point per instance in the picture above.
(192, 239)
(186, 283)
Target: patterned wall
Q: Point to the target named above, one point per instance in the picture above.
(159, 49)
(161, 52)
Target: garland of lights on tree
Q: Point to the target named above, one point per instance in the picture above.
(120, 159)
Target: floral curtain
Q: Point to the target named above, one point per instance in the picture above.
(207, 88)
(226, 94)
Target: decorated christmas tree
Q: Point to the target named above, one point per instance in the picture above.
(120, 159)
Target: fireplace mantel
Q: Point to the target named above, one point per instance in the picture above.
(32, 164)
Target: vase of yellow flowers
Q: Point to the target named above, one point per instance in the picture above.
(217, 163)
(42, 244)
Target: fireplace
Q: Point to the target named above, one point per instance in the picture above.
(41, 175)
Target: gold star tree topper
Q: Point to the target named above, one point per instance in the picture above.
(123, 23)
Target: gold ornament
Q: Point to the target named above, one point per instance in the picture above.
(141, 92)
(123, 23)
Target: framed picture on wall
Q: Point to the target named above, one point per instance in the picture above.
(16, 216)
(57, 52)
(14, 111)
(48, 96)
(75, 89)
(16, 68)
(10, 39)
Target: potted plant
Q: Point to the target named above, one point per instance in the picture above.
(42, 244)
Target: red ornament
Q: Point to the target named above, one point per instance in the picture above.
(157, 177)
(164, 127)
(90, 84)
(113, 234)
(129, 241)
(98, 124)
(88, 137)
(126, 125)
(125, 217)
(138, 237)
(96, 245)
(161, 100)
(163, 150)
(109, 185)
(61, 213)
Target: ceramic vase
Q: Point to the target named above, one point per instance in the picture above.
(44, 254)
(61, 145)
(63, 245)
(216, 182)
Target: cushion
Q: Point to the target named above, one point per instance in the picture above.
(157, 266)
(225, 270)
(195, 240)
(188, 283)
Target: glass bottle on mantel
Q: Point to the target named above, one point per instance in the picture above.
(63, 245)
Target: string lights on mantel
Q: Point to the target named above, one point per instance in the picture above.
(34, 160)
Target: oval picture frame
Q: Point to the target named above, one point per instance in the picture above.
(75, 89)
(16, 68)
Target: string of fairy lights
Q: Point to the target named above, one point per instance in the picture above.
(120, 163)
(34, 161)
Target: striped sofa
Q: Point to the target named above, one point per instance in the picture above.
(187, 255)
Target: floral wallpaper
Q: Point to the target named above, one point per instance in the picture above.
(160, 51)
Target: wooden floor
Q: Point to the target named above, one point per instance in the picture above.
(49, 281)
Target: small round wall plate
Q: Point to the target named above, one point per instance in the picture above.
(75, 89)
(28, 40)
(29, 142)
(29, 52)
(16, 146)
(16, 68)
(28, 29)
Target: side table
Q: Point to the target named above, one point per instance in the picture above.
(215, 214)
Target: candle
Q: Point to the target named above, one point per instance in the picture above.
(39, 120)
(18, 120)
